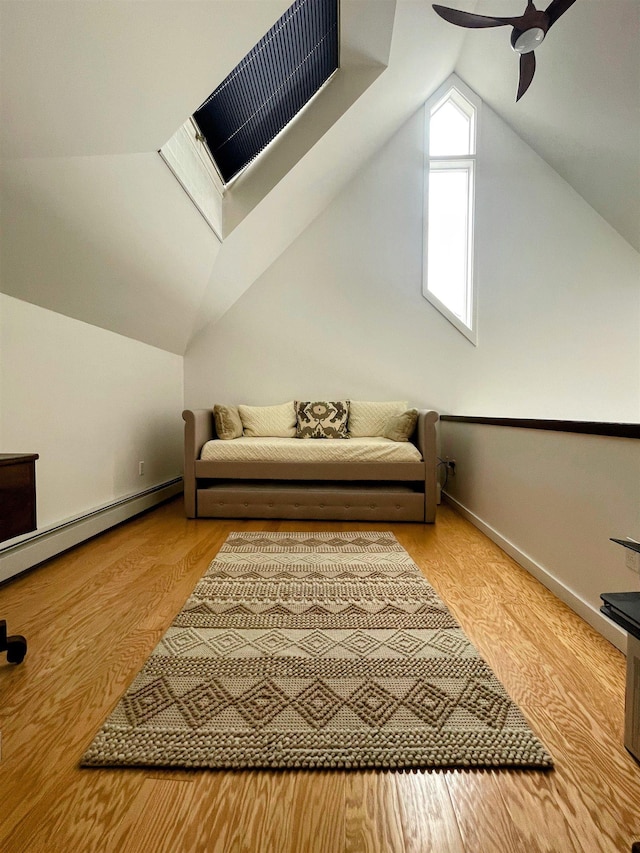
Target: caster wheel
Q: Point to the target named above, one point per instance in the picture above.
(16, 649)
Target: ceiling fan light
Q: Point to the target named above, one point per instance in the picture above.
(528, 40)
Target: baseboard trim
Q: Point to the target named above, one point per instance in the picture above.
(41, 545)
(590, 614)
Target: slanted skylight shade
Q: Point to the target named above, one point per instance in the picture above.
(271, 84)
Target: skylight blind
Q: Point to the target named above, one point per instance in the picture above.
(271, 84)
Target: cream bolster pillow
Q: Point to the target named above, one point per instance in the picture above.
(401, 427)
(370, 418)
(227, 422)
(276, 421)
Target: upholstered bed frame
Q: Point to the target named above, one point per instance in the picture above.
(357, 491)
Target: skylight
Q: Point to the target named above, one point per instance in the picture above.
(270, 85)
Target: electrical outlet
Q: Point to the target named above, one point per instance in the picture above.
(632, 560)
(140, 469)
(451, 465)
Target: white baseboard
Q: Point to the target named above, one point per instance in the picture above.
(43, 544)
(590, 614)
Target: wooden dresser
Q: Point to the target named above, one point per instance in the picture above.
(17, 494)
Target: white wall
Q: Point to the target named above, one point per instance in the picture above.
(341, 313)
(119, 243)
(92, 403)
(559, 304)
(553, 500)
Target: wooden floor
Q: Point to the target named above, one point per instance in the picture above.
(93, 615)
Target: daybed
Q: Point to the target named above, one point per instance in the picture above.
(259, 475)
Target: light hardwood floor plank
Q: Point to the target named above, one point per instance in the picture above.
(93, 615)
(82, 811)
(154, 821)
(212, 826)
(485, 823)
(319, 812)
(428, 818)
(373, 814)
(257, 814)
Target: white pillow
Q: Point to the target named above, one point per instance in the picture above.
(278, 421)
(366, 418)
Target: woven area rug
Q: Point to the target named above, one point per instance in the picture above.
(315, 650)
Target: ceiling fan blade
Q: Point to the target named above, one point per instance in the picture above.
(468, 19)
(527, 70)
(557, 8)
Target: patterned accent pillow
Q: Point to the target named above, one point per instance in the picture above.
(401, 427)
(227, 421)
(321, 419)
(368, 418)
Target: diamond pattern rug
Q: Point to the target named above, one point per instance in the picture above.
(315, 650)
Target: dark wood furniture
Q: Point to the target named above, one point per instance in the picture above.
(17, 516)
(17, 494)
(623, 608)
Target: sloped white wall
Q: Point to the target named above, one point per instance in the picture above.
(582, 114)
(559, 296)
(111, 240)
(92, 403)
(340, 313)
(94, 225)
(84, 79)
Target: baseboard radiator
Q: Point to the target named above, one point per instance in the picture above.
(41, 545)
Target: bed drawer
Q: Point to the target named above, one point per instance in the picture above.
(375, 502)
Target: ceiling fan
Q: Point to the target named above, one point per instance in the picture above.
(528, 31)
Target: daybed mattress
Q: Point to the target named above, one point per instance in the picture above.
(268, 449)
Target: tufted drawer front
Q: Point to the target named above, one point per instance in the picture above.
(339, 501)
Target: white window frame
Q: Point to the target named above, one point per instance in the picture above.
(187, 155)
(453, 88)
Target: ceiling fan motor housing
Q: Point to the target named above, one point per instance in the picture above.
(526, 39)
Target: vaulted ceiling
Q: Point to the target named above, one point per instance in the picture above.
(93, 224)
(582, 112)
